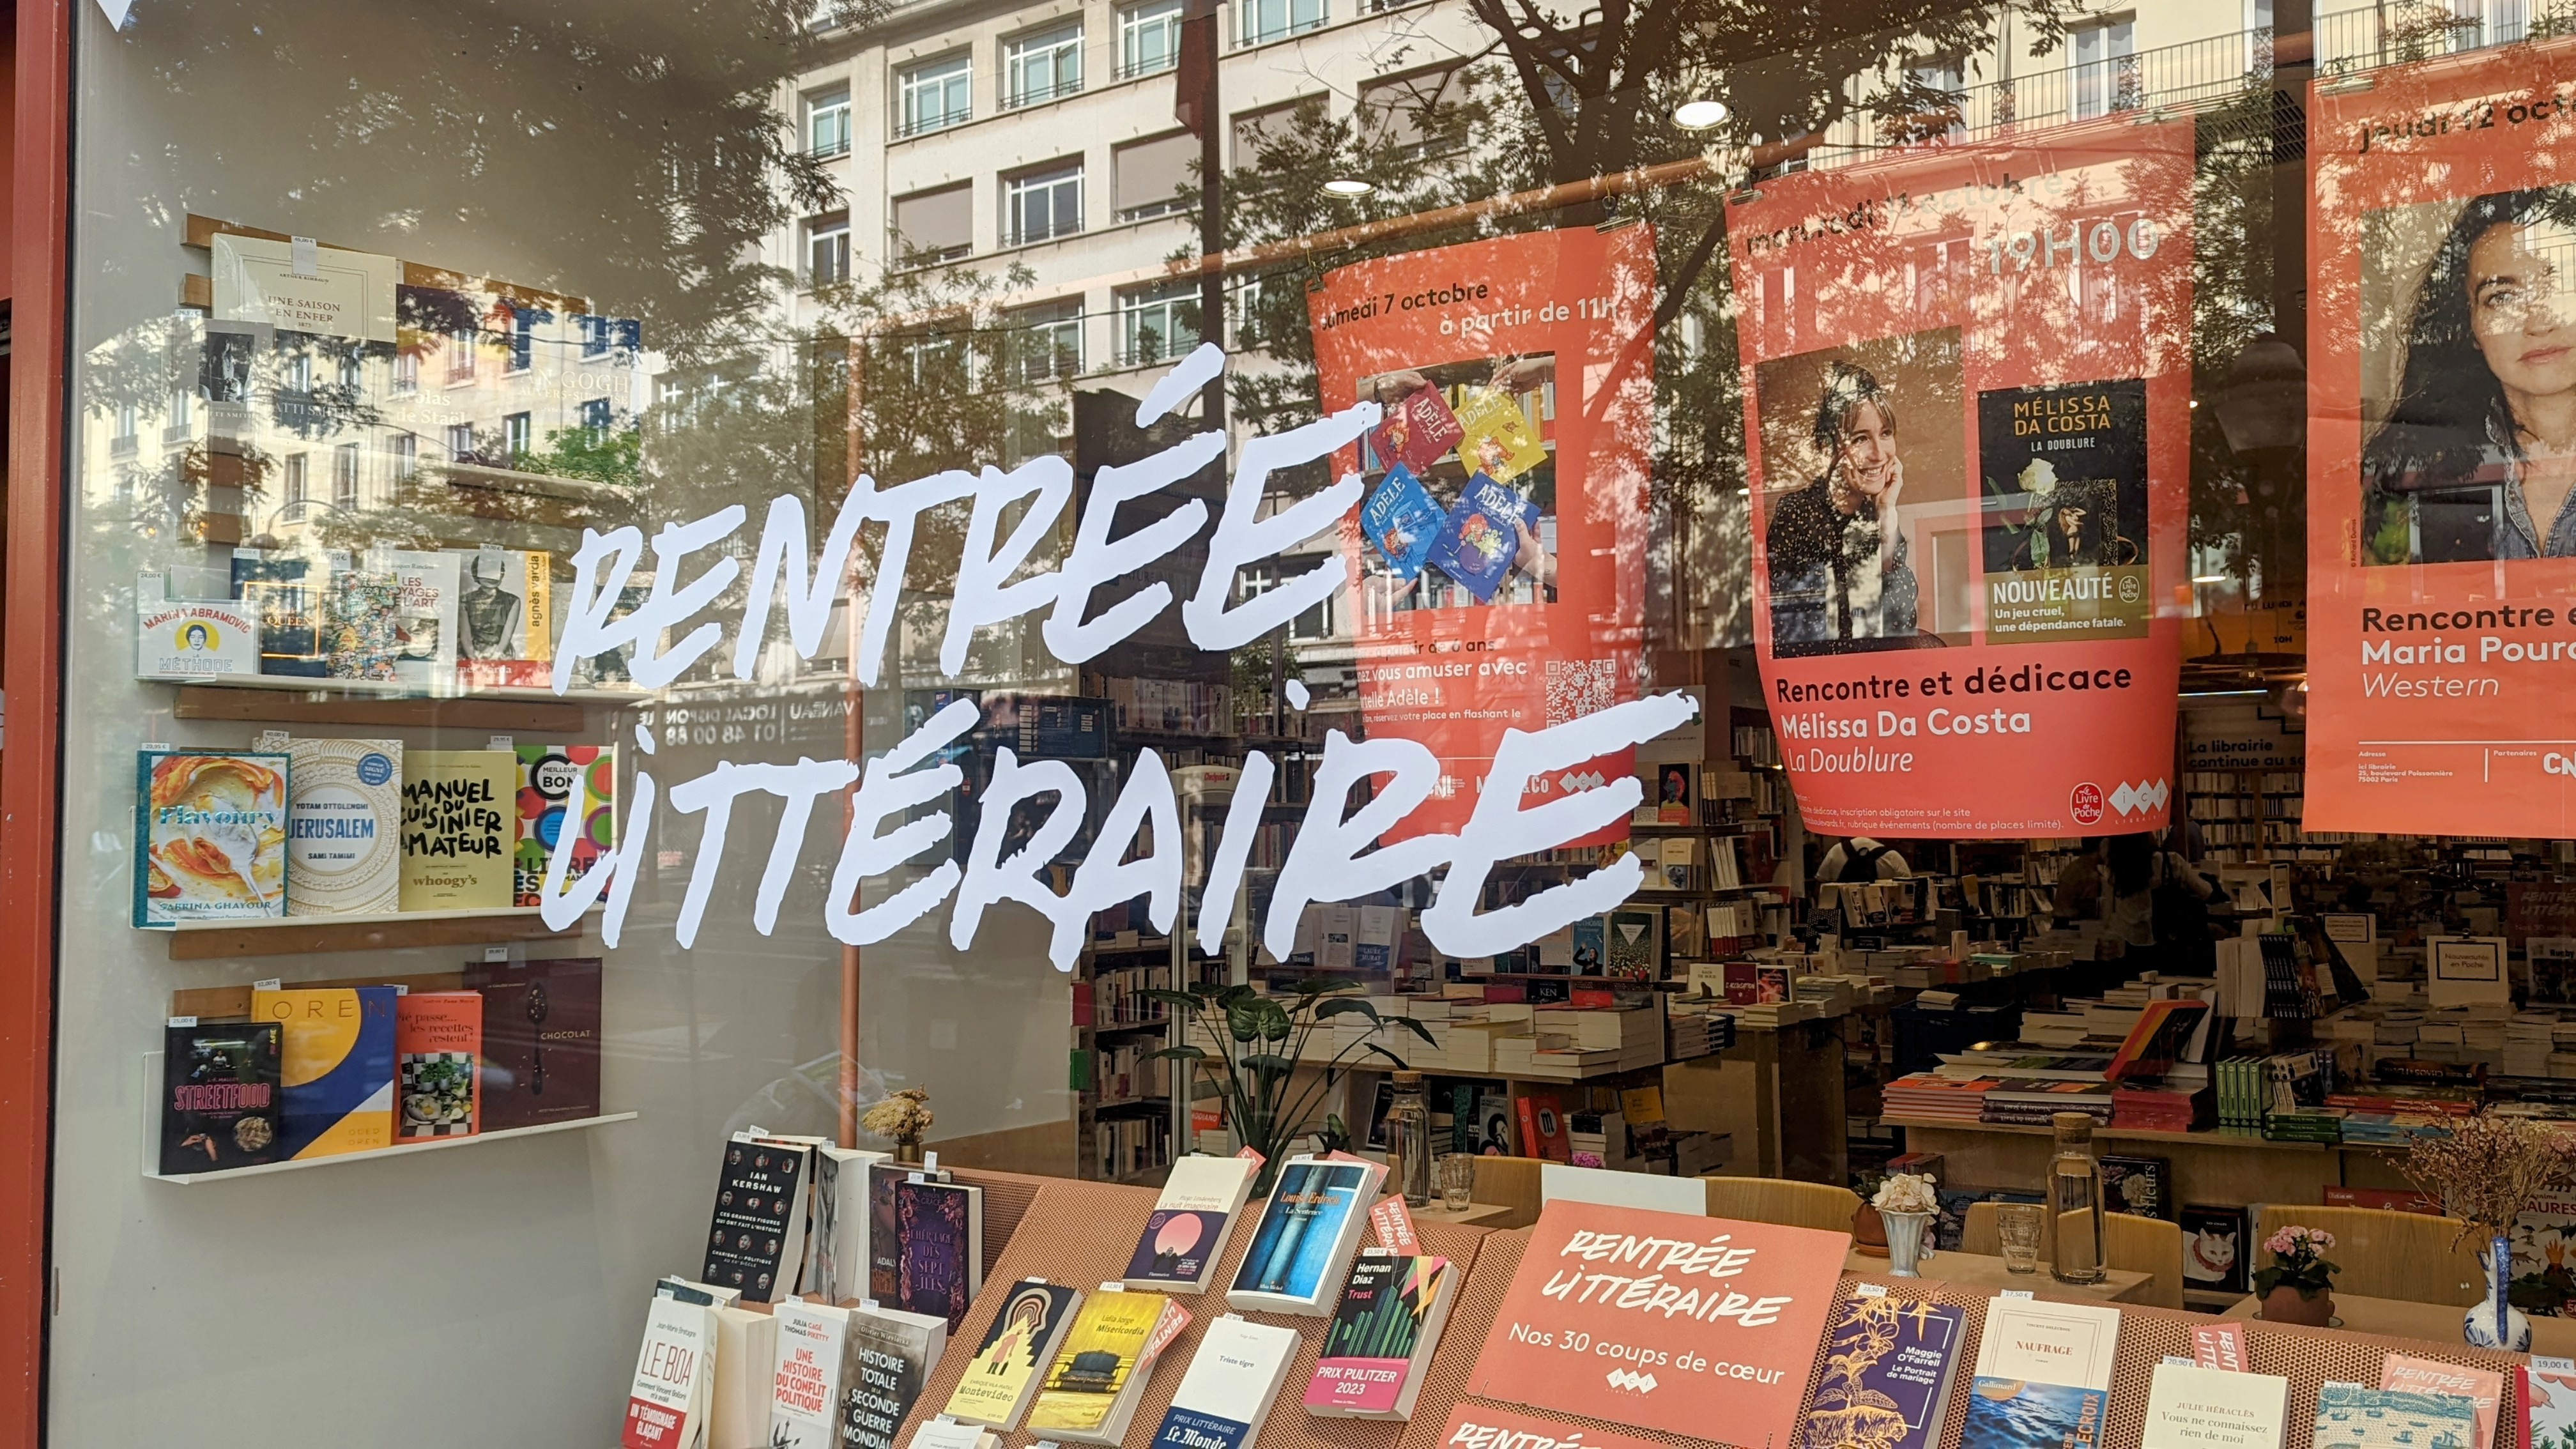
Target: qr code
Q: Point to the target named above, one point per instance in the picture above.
(1577, 687)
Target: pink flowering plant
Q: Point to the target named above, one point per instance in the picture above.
(2299, 1260)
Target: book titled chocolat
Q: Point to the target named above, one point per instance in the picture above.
(540, 1041)
(219, 1096)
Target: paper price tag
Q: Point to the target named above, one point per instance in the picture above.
(2014, 1293)
(496, 954)
(156, 746)
(304, 257)
(2541, 1363)
(930, 1162)
(401, 989)
(501, 742)
(187, 1021)
(1869, 1290)
(2178, 1361)
(1113, 1287)
(271, 741)
(268, 983)
(869, 1304)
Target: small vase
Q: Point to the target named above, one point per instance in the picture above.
(907, 1154)
(1869, 1234)
(2287, 1304)
(1906, 1241)
(2493, 1322)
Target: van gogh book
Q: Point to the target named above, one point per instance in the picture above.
(1302, 1248)
(1382, 1336)
(343, 827)
(438, 1049)
(1887, 1375)
(1099, 1371)
(885, 1360)
(1186, 1232)
(805, 1375)
(562, 787)
(757, 1243)
(2043, 1375)
(1021, 1342)
(209, 837)
(219, 1096)
(941, 1226)
(459, 823)
(666, 1406)
(336, 1056)
(1225, 1396)
(1402, 521)
(1477, 541)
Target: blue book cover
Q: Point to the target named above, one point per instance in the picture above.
(1190, 1429)
(2017, 1414)
(1477, 543)
(2348, 1414)
(1293, 1253)
(1402, 521)
(1887, 1375)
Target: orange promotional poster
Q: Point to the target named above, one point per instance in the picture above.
(1482, 1426)
(1967, 402)
(2442, 448)
(1497, 559)
(1664, 1321)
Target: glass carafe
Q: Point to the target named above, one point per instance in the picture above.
(1408, 1142)
(2075, 1196)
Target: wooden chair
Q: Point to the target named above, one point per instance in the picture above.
(2407, 1256)
(1776, 1200)
(2130, 1243)
(1510, 1182)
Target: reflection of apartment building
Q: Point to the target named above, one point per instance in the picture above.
(1041, 134)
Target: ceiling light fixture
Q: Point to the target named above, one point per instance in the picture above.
(1348, 186)
(1700, 115)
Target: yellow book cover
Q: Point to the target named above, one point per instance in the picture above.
(336, 1048)
(1099, 1353)
(1500, 442)
(998, 1378)
(460, 821)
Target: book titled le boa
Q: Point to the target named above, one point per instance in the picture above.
(1754, 1296)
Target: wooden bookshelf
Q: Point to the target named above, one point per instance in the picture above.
(383, 931)
(289, 699)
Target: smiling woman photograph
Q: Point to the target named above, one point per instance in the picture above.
(1841, 578)
(2475, 457)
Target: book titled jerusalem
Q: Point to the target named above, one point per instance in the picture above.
(1303, 1246)
(1186, 1232)
(1021, 1342)
(1887, 1375)
(941, 1262)
(343, 827)
(1381, 1337)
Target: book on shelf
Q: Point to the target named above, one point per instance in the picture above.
(2406, 1373)
(2213, 1247)
(220, 1093)
(805, 1375)
(540, 1041)
(2545, 1391)
(1090, 1392)
(884, 1280)
(1301, 1249)
(836, 1218)
(2138, 1185)
(2350, 1416)
(1186, 1232)
(459, 818)
(1225, 1396)
(667, 1402)
(1888, 1366)
(2189, 1407)
(1383, 1332)
(209, 836)
(2043, 1373)
(1018, 1345)
(343, 827)
(504, 617)
(438, 1051)
(191, 639)
(691, 1290)
(937, 1435)
(738, 1400)
(560, 788)
(757, 1237)
(941, 1227)
(887, 1358)
(336, 1053)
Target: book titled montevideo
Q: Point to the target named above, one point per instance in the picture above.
(1017, 1347)
(209, 836)
(1302, 1248)
(459, 823)
(1887, 1375)
(1186, 1232)
(1383, 1332)
(560, 788)
(219, 1097)
(1225, 1396)
(343, 827)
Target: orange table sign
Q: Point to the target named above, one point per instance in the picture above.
(1482, 1426)
(1664, 1321)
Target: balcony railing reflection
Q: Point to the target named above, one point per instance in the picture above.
(2402, 31)
(2195, 73)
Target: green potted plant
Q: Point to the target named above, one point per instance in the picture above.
(2298, 1287)
(1260, 1040)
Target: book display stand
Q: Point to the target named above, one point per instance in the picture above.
(1079, 1233)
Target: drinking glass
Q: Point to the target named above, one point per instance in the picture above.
(1457, 1180)
(2017, 1226)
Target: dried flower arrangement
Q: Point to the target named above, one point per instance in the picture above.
(901, 1117)
(2490, 1169)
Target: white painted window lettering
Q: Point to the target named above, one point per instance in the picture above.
(1240, 540)
(891, 787)
(623, 865)
(809, 597)
(1324, 861)
(981, 596)
(899, 508)
(1103, 880)
(989, 879)
(1234, 849)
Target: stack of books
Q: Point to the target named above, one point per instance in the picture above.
(2305, 1124)
(2027, 1102)
(2153, 1107)
(1921, 1094)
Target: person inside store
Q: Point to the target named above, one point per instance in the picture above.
(2078, 893)
(2154, 900)
(1861, 859)
(2476, 457)
(1840, 576)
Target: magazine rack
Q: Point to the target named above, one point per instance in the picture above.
(1080, 1234)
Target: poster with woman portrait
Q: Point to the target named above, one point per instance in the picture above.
(2442, 448)
(1967, 391)
(1497, 559)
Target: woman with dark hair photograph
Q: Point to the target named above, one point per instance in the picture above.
(2476, 458)
(1840, 578)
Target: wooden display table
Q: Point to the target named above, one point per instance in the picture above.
(1473, 1215)
(1989, 1275)
(2431, 1322)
